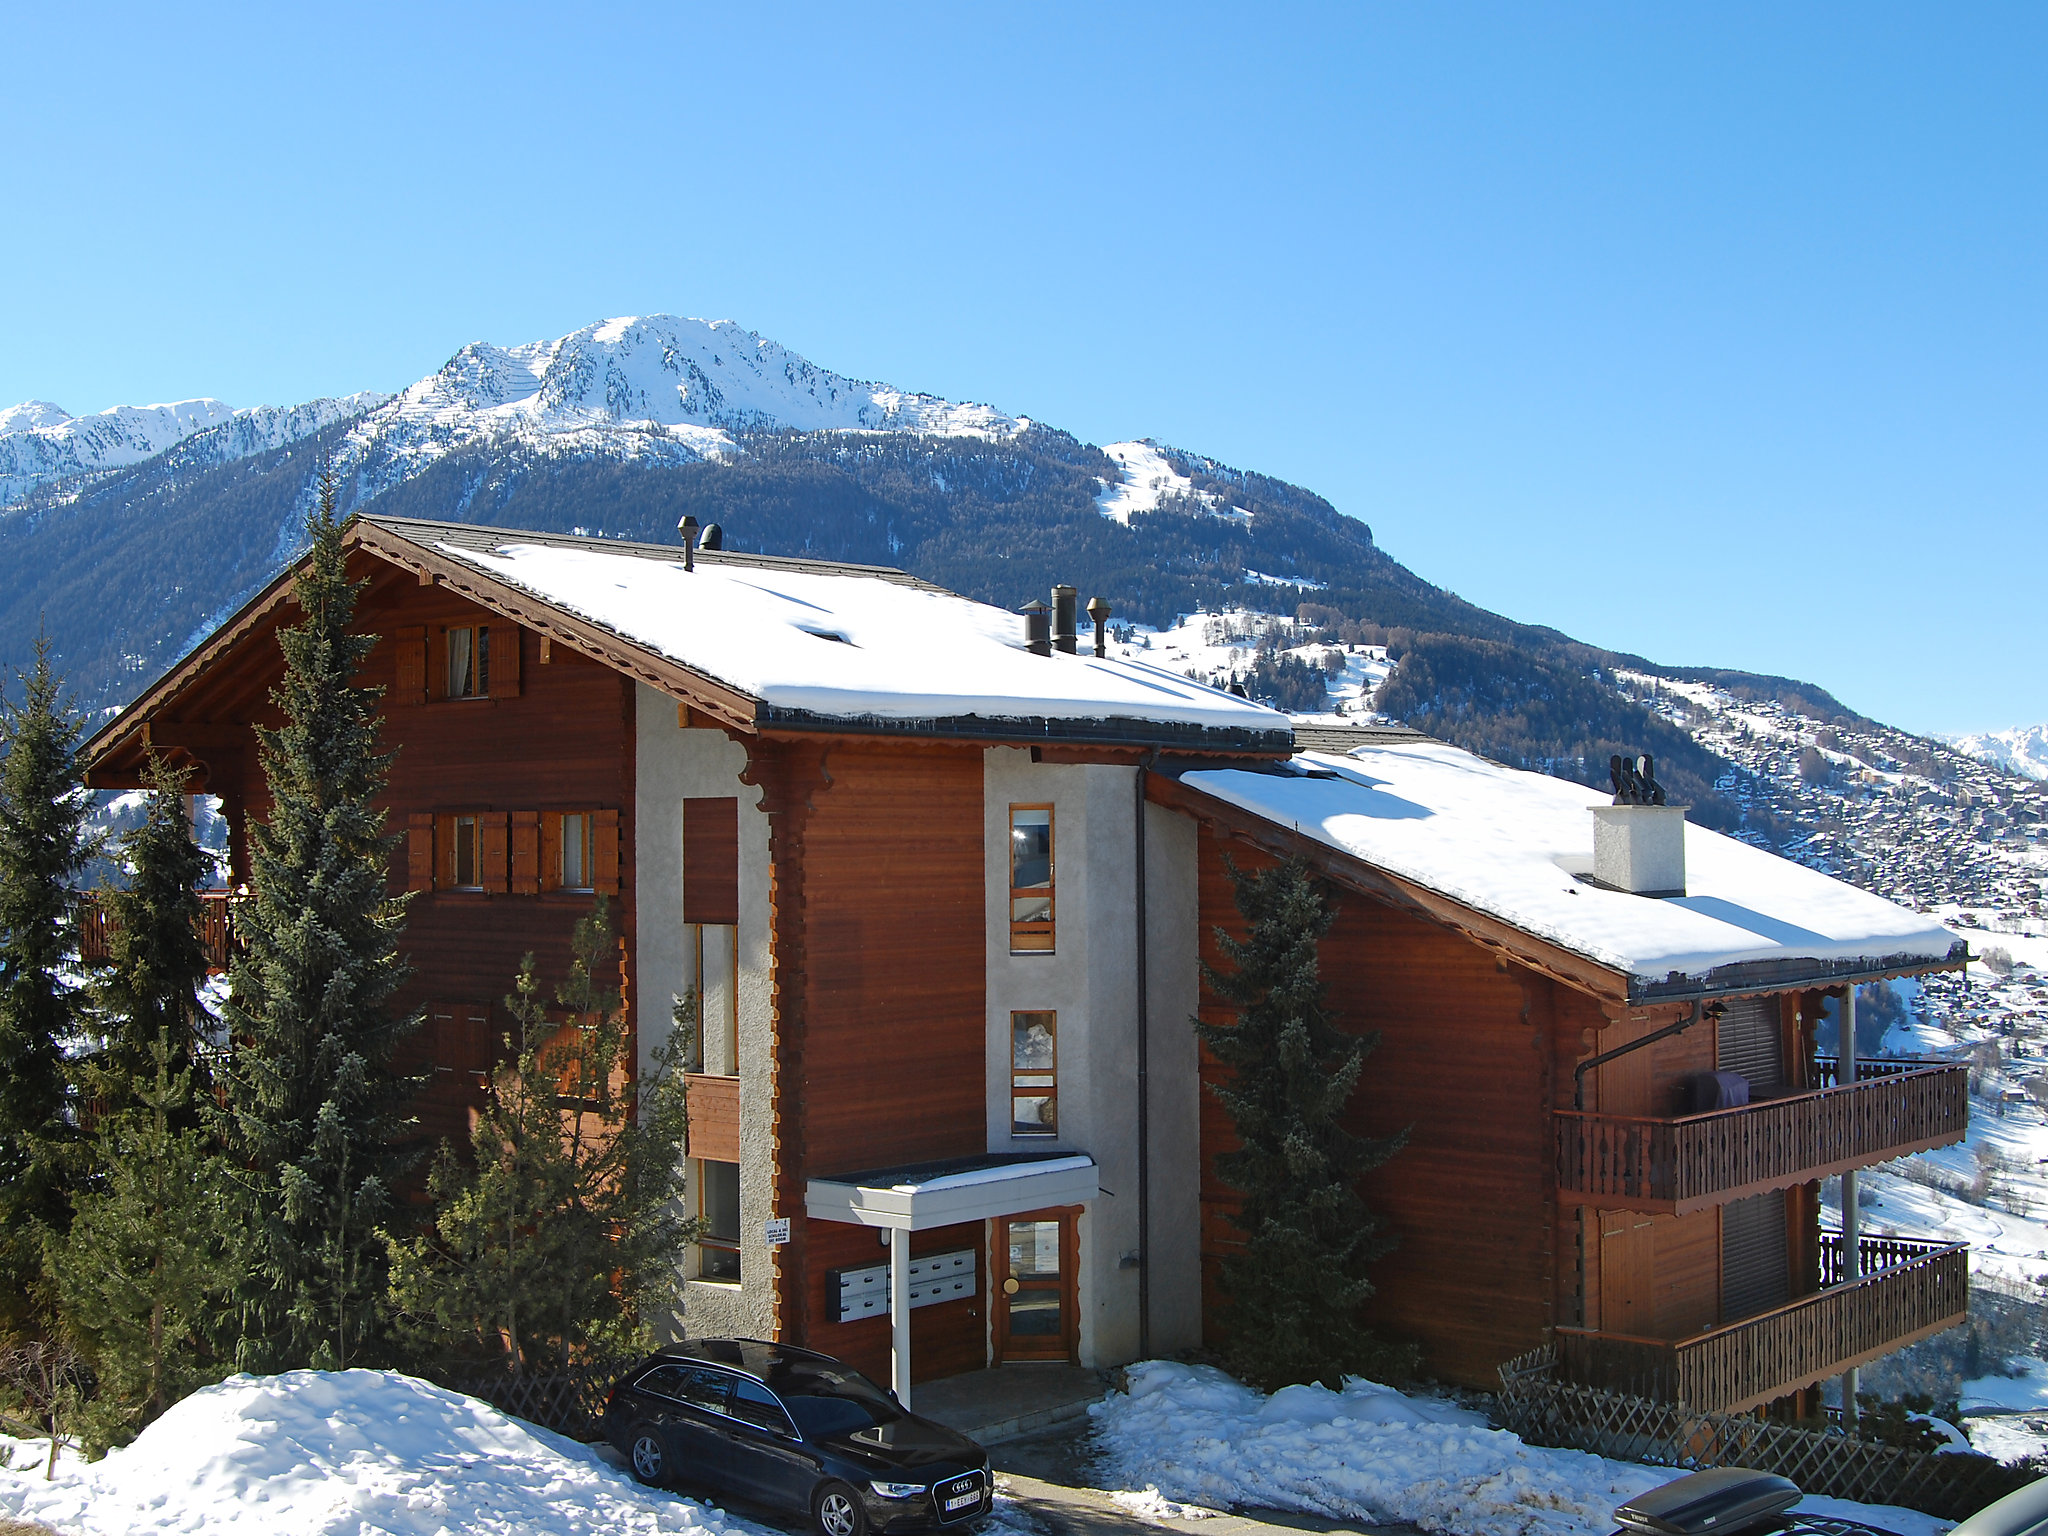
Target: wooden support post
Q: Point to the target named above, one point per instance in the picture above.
(1852, 1219)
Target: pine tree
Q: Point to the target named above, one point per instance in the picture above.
(1295, 1288)
(146, 1276)
(44, 846)
(148, 997)
(315, 1110)
(559, 1235)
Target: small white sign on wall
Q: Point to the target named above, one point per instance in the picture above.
(778, 1231)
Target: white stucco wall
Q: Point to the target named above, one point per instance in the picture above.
(1090, 981)
(672, 765)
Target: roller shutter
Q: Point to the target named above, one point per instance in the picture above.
(1755, 1264)
(1752, 1043)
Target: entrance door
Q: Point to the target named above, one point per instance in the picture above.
(1036, 1315)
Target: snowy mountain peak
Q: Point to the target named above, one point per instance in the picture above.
(30, 415)
(2022, 750)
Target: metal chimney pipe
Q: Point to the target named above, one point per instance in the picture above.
(687, 528)
(713, 537)
(1100, 611)
(1037, 628)
(1063, 616)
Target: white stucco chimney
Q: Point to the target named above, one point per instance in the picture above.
(1640, 848)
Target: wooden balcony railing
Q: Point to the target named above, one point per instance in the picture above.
(1912, 1290)
(1640, 1163)
(215, 924)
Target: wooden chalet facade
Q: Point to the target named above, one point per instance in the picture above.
(943, 901)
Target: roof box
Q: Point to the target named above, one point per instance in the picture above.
(1711, 1503)
(2024, 1513)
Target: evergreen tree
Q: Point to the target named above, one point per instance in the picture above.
(559, 1235)
(146, 1275)
(44, 847)
(1295, 1288)
(314, 1109)
(148, 997)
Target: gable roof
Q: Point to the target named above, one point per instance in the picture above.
(1508, 844)
(771, 642)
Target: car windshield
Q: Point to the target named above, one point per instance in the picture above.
(833, 1400)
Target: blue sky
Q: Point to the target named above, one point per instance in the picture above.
(1713, 333)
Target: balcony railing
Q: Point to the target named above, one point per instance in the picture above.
(1909, 1291)
(215, 924)
(1642, 1163)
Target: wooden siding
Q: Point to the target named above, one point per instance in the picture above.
(1463, 1062)
(714, 1117)
(945, 1339)
(711, 860)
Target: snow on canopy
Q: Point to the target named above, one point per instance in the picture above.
(318, 1453)
(845, 644)
(1508, 843)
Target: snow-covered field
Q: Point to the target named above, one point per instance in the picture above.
(311, 1453)
(1216, 648)
(1191, 1435)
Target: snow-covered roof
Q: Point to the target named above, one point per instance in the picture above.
(844, 643)
(1509, 844)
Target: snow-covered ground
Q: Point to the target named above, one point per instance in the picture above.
(1218, 648)
(1150, 478)
(2022, 750)
(1191, 1435)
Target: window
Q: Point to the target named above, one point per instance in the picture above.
(707, 1389)
(465, 876)
(1030, 878)
(1034, 1075)
(718, 1202)
(469, 662)
(754, 1404)
(576, 853)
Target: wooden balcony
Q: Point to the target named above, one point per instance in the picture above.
(1640, 1163)
(215, 924)
(1911, 1291)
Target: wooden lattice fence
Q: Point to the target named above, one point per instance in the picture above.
(567, 1399)
(1545, 1411)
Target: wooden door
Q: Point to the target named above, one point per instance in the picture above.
(1035, 1269)
(1628, 1272)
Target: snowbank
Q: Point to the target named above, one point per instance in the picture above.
(1192, 1434)
(349, 1451)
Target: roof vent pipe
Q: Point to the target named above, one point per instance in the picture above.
(1639, 841)
(713, 537)
(1037, 628)
(1100, 611)
(687, 528)
(1063, 618)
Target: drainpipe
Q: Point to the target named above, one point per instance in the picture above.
(1144, 1095)
(1852, 1219)
(899, 1314)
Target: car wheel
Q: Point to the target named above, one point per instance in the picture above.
(650, 1462)
(837, 1512)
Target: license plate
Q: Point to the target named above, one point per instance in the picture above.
(961, 1501)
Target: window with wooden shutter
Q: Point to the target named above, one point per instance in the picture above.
(525, 852)
(505, 643)
(458, 846)
(419, 852)
(604, 852)
(409, 676)
(493, 850)
(711, 860)
(551, 851)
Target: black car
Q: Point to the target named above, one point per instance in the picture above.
(799, 1430)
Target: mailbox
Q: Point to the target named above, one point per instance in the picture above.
(934, 1277)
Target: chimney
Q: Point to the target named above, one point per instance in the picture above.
(1063, 616)
(687, 530)
(1099, 611)
(713, 537)
(1639, 841)
(1037, 628)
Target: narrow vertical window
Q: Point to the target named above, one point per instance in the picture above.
(1034, 1075)
(576, 852)
(462, 663)
(465, 854)
(718, 1202)
(1031, 900)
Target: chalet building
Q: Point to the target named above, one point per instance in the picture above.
(941, 880)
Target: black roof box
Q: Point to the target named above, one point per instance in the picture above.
(1714, 1503)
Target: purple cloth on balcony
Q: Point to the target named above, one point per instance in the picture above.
(1717, 1090)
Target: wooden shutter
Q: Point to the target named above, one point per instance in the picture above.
(604, 852)
(409, 679)
(525, 852)
(493, 851)
(444, 848)
(505, 643)
(419, 852)
(437, 661)
(551, 850)
(711, 860)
